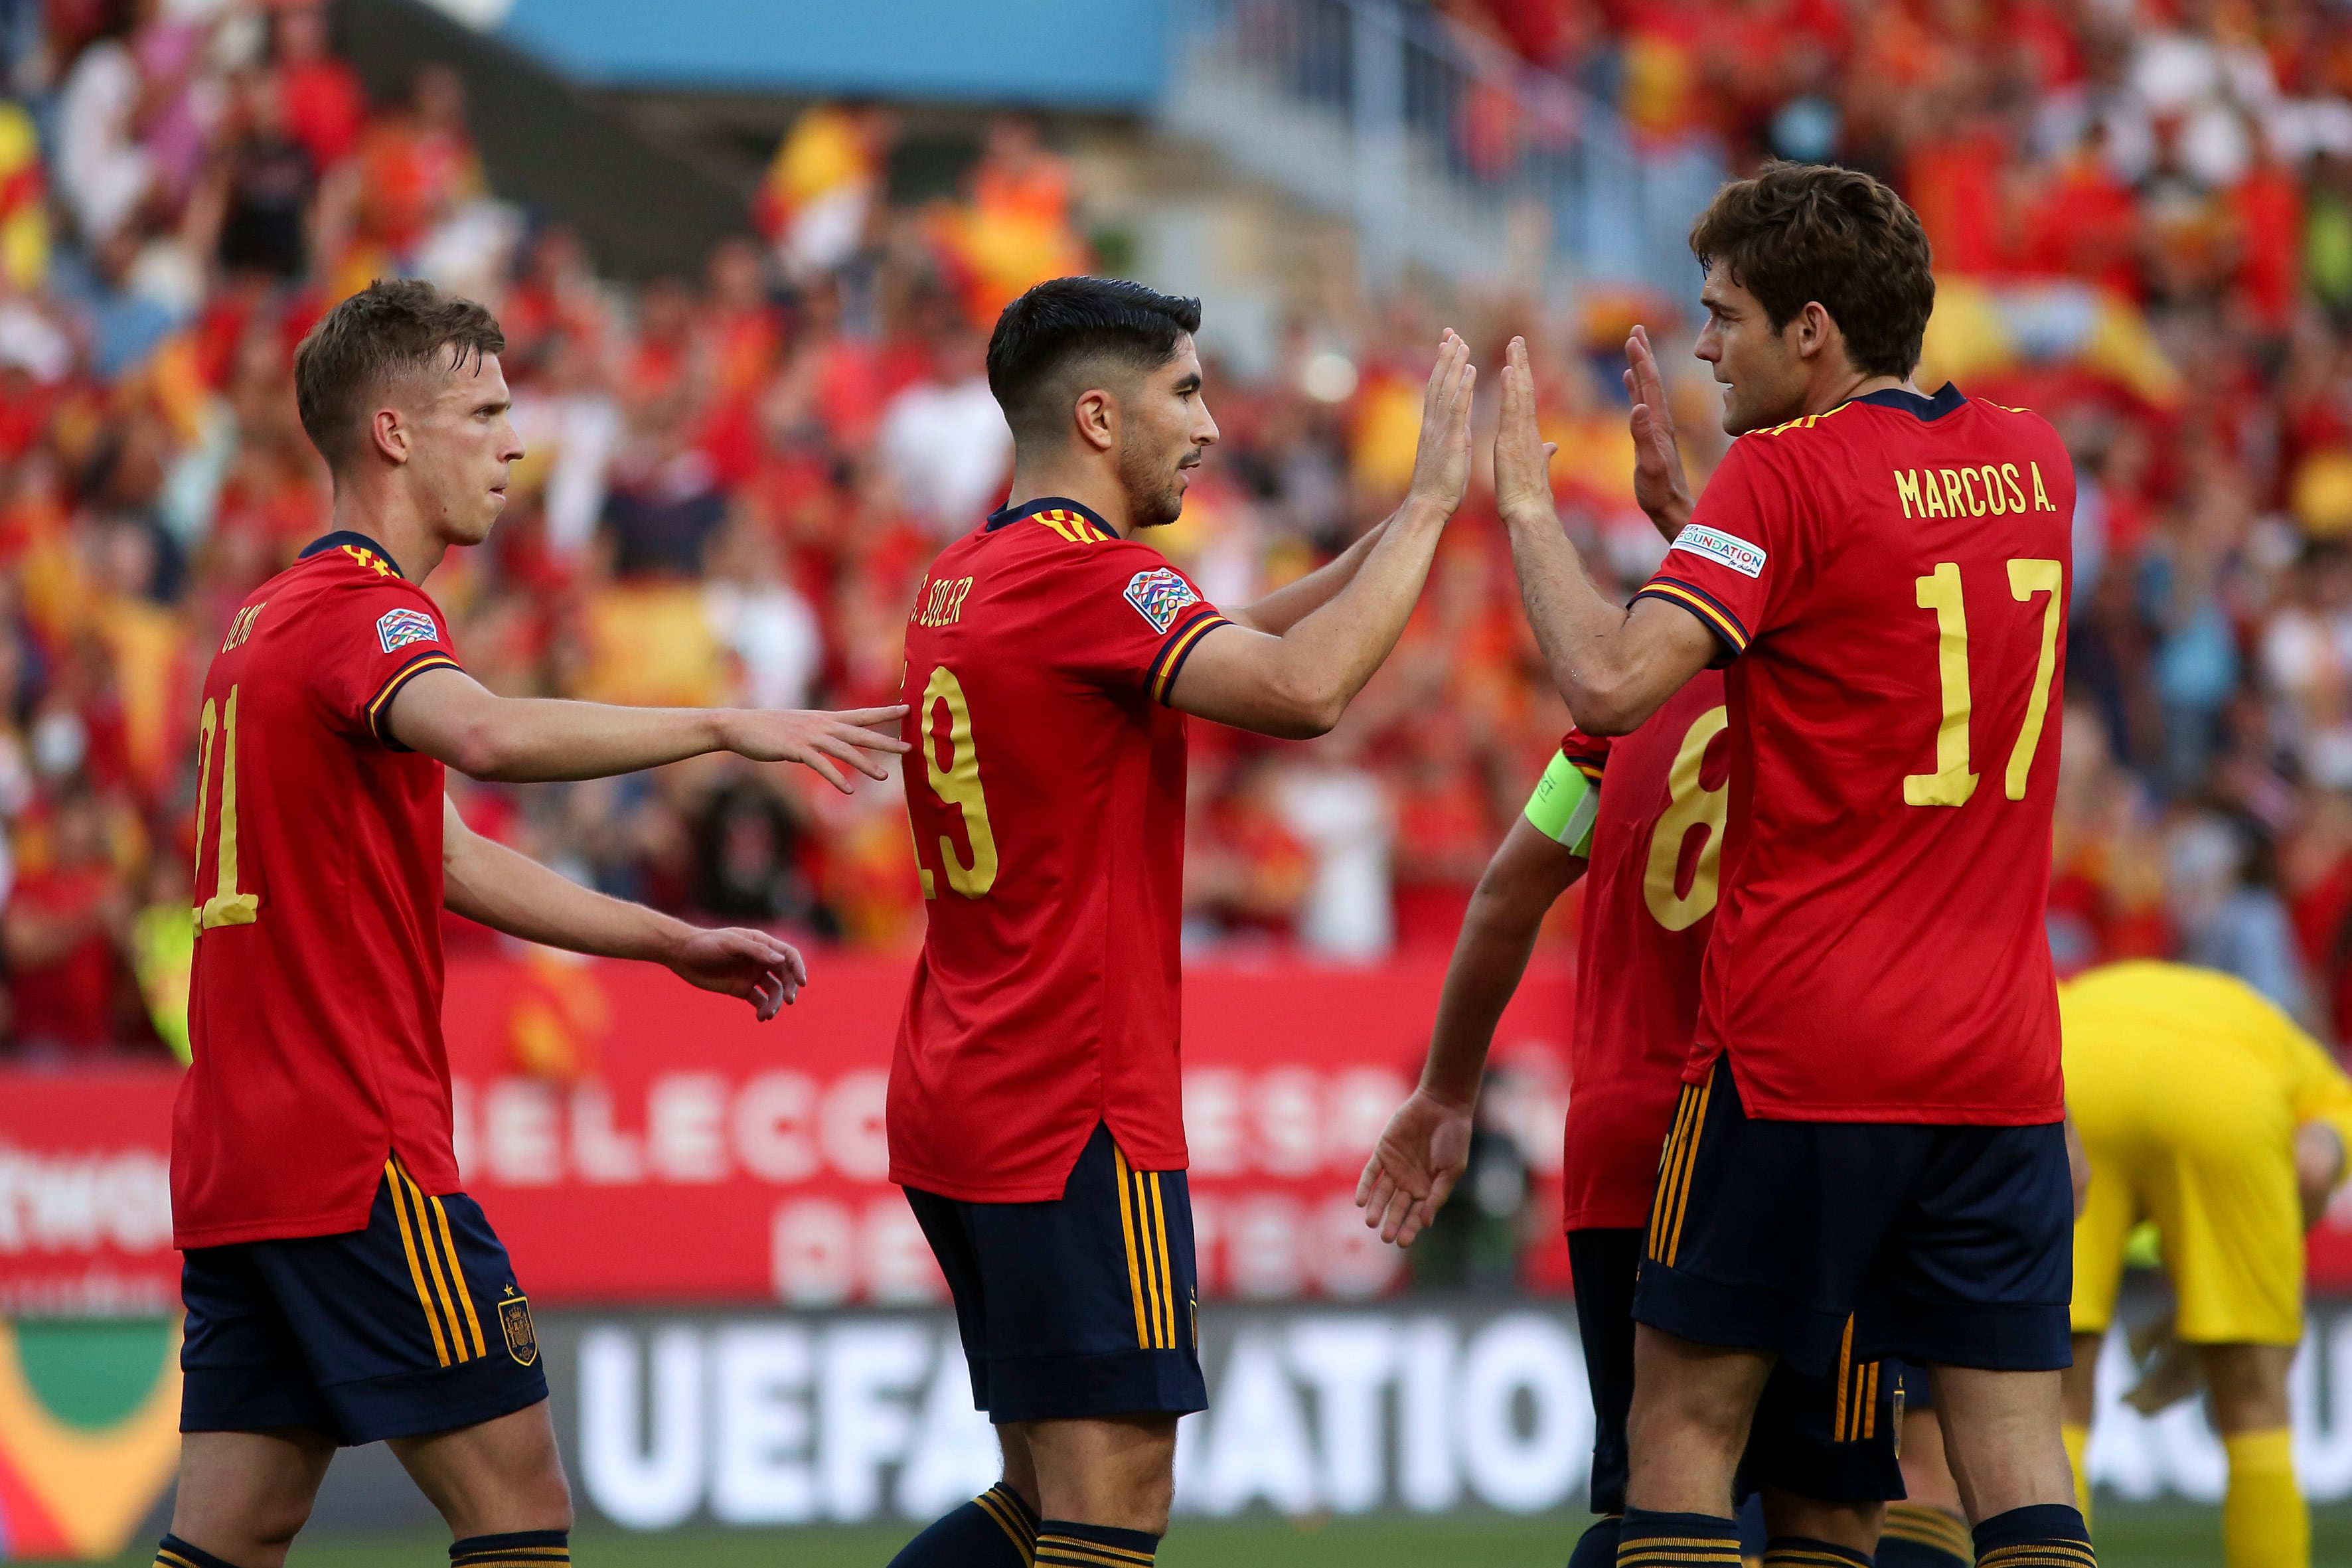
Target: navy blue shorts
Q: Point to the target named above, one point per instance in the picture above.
(1952, 1245)
(1083, 1306)
(410, 1326)
(1830, 1439)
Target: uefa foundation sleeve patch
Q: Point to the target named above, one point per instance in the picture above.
(1159, 596)
(397, 628)
(1723, 549)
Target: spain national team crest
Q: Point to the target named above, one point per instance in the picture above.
(1159, 595)
(397, 628)
(523, 1340)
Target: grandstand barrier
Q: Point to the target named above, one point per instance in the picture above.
(606, 1102)
(1445, 150)
(605, 1112)
(600, 1107)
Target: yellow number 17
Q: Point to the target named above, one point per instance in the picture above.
(1953, 782)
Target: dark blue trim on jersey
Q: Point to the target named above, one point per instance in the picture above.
(1947, 400)
(380, 705)
(1012, 514)
(1703, 608)
(1160, 676)
(343, 536)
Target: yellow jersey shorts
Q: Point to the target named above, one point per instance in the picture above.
(2208, 1157)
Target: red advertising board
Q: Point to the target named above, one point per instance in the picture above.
(667, 1149)
(637, 1141)
(85, 1192)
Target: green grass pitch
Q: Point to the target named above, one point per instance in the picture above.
(2128, 1537)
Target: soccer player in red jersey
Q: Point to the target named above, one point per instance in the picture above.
(340, 1287)
(1034, 1115)
(1640, 819)
(1868, 1155)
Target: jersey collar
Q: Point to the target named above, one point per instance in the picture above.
(1003, 516)
(343, 536)
(1947, 400)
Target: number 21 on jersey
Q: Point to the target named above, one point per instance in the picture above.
(216, 735)
(1954, 781)
(958, 785)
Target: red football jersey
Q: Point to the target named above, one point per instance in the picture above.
(1890, 581)
(1046, 791)
(1649, 904)
(314, 1010)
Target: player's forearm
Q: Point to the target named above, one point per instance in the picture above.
(1579, 630)
(1329, 655)
(484, 881)
(1287, 605)
(530, 739)
(1526, 877)
(1490, 958)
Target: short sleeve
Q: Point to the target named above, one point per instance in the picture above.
(1731, 561)
(2321, 1091)
(1134, 618)
(1588, 754)
(369, 640)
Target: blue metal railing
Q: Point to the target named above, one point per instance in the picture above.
(1447, 150)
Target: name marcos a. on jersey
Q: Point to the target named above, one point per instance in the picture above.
(1889, 582)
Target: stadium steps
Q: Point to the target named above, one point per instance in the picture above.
(644, 205)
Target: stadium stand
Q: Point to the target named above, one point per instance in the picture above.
(736, 475)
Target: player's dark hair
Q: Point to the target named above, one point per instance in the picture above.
(1061, 331)
(391, 330)
(1803, 232)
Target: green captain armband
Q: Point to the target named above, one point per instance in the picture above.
(1564, 805)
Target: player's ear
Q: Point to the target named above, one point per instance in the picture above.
(1095, 417)
(388, 434)
(1815, 328)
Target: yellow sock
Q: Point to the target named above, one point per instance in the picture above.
(2078, 1448)
(2265, 1523)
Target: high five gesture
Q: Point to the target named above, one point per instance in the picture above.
(1659, 484)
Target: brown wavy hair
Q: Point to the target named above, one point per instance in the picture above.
(1803, 232)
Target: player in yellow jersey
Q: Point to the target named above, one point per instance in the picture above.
(2205, 1108)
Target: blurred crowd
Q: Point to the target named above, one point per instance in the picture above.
(2142, 213)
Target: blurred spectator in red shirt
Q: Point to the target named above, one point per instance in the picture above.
(325, 105)
(62, 935)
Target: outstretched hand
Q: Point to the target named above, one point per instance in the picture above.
(817, 740)
(738, 962)
(1659, 484)
(1422, 1153)
(1522, 457)
(1441, 463)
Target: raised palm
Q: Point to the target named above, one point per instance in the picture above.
(1660, 485)
(1441, 464)
(1522, 457)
